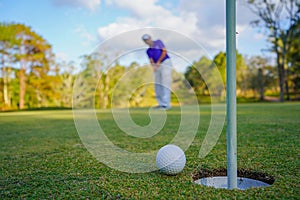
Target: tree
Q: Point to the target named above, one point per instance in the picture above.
(95, 84)
(203, 75)
(241, 69)
(293, 57)
(7, 44)
(261, 75)
(195, 78)
(276, 18)
(136, 82)
(34, 53)
(21, 46)
(61, 82)
(87, 81)
(220, 62)
(113, 77)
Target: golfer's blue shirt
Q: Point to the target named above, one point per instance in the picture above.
(155, 51)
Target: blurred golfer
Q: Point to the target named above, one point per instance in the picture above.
(162, 67)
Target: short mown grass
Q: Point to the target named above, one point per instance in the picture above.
(42, 156)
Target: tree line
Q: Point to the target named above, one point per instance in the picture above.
(30, 76)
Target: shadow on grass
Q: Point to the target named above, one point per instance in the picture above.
(39, 109)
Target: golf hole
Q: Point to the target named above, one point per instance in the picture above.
(246, 179)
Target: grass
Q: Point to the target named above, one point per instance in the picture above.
(42, 156)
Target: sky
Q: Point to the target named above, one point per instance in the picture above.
(189, 29)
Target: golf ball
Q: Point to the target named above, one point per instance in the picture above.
(170, 159)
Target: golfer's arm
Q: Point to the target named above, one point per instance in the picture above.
(152, 61)
(162, 56)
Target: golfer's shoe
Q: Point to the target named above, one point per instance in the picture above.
(157, 107)
(161, 108)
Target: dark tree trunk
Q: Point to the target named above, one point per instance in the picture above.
(280, 69)
(281, 81)
(261, 83)
(22, 88)
(287, 90)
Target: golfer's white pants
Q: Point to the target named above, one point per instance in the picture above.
(163, 79)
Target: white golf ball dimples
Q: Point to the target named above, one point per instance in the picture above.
(170, 159)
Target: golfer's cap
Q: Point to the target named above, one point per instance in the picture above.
(146, 37)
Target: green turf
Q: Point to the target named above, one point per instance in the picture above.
(42, 157)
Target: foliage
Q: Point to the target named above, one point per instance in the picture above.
(277, 19)
(200, 85)
(30, 77)
(194, 77)
(293, 57)
(30, 55)
(262, 76)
